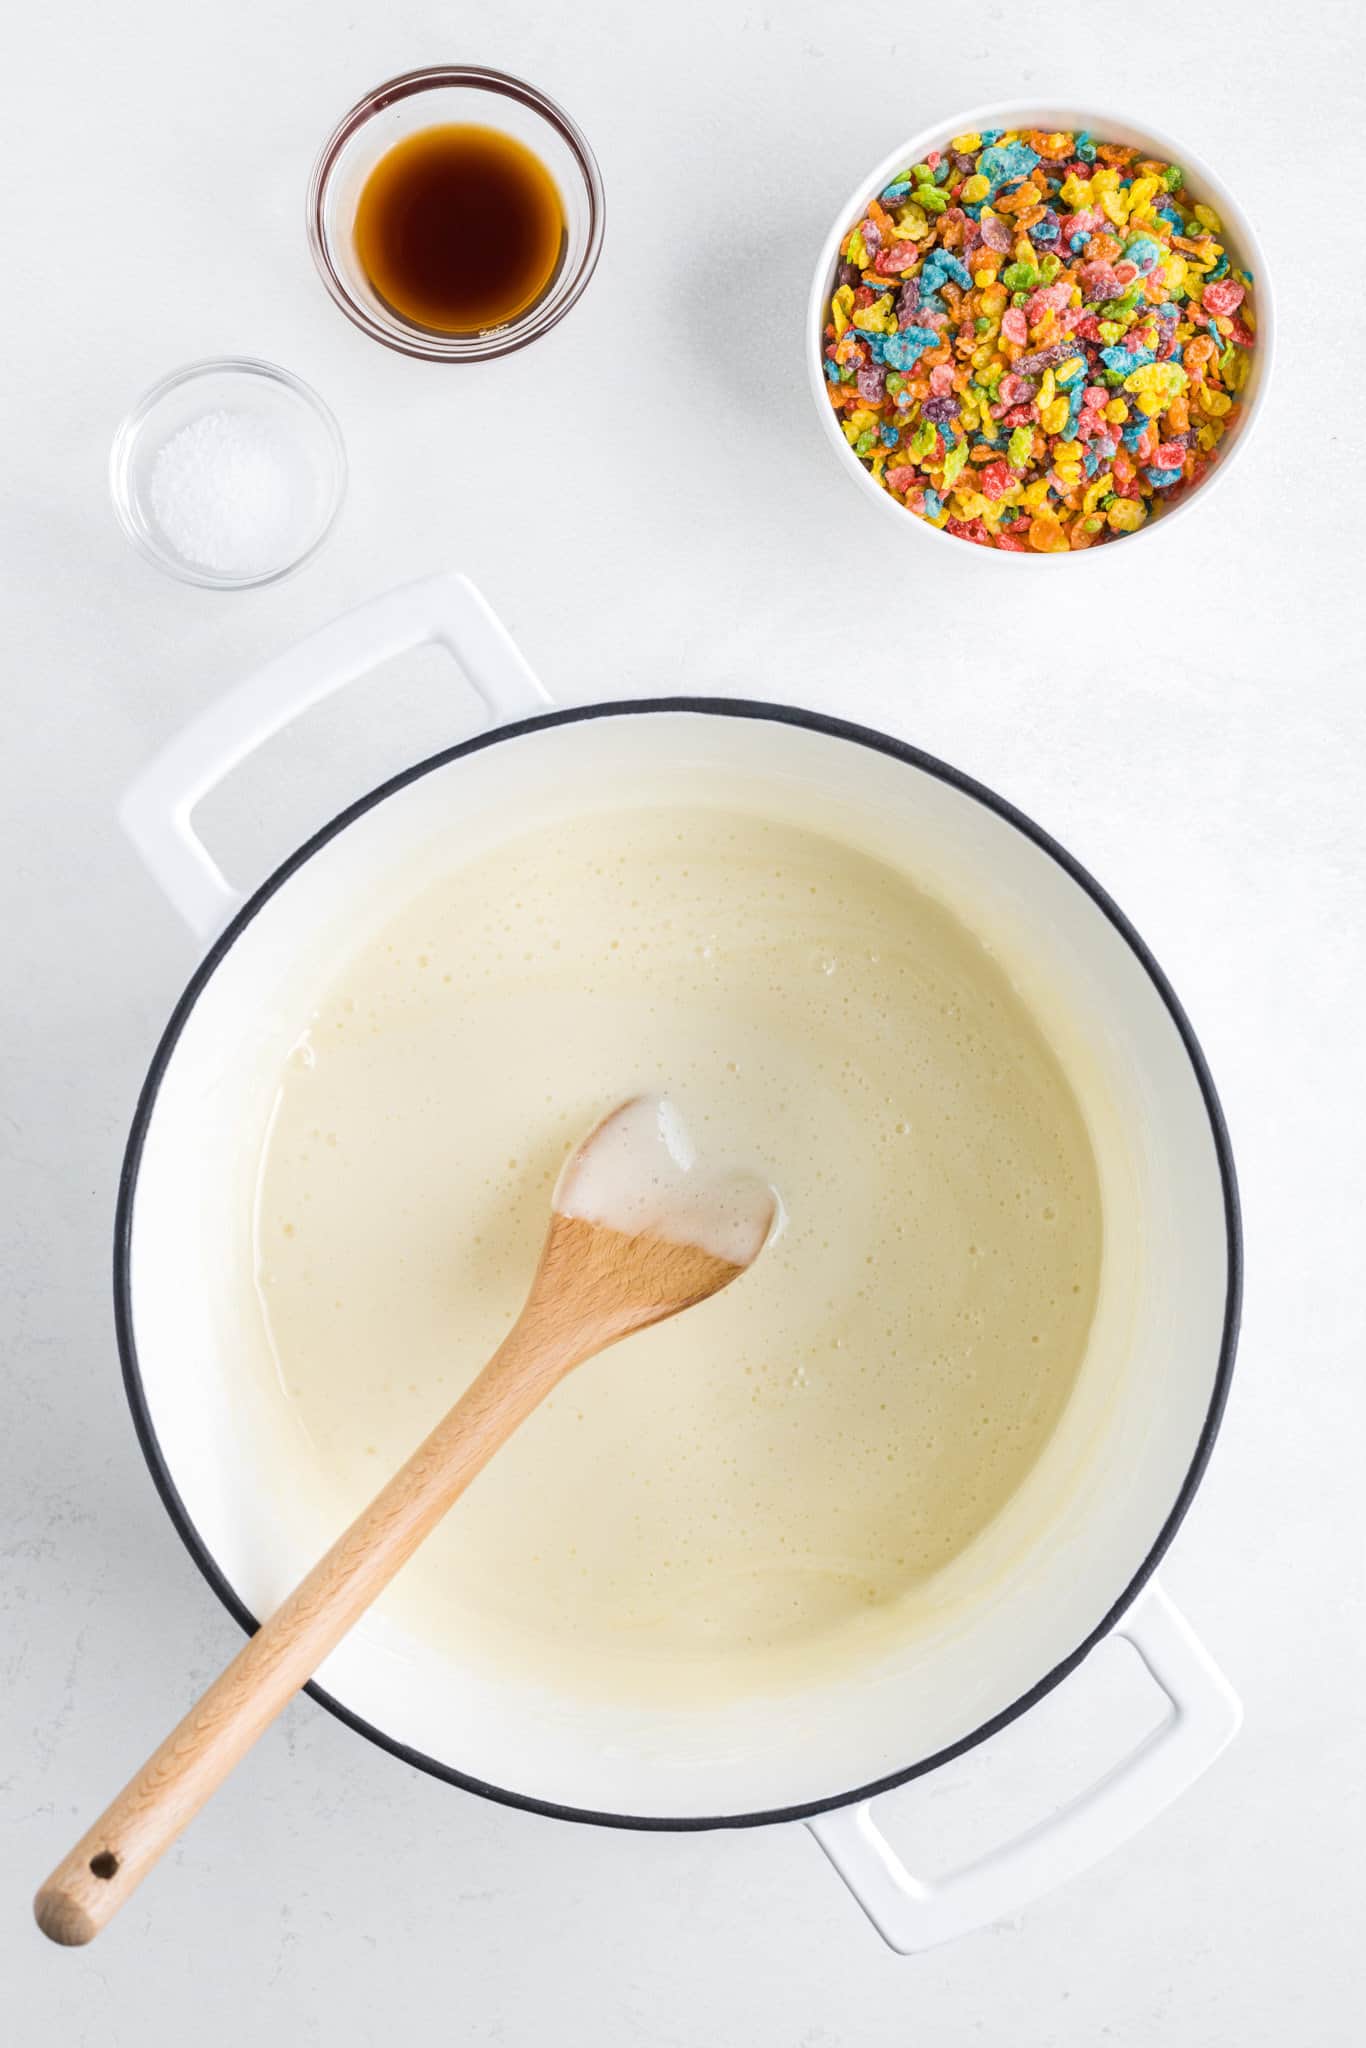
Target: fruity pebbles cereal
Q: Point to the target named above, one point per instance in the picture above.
(1037, 341)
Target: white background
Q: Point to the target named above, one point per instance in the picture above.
(646, 500)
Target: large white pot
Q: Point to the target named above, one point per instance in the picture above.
(1080, 1543)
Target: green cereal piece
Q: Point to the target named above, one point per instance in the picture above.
(922, 174)
(932, 199)
(981, 325)
(923, 441)
(1019, 277)
(953, 463)
(866, 442)
(1020, 447)
(1173, 177)
(1049, 267)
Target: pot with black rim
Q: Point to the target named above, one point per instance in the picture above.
(1147, 1414)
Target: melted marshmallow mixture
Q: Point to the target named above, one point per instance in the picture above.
(735, 1495)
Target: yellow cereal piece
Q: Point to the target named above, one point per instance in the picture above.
(1235, 375)
(981, 355)
(1164, 378)
(1125, 516)
(983, 278)
(1047, 389)
(1116, 411)
(1105, 178)
(976, 187)
(857, 250)
(1053, 416)
(1110, 330)
(1142, 192)
(1076, 192)
(1046, 535)
(1216, 403)
(860, 419)
(1023, 251)
(1035, 494)
(1096, 491)
(1151, 403)
(994, 299)
(965, 145)
(969, 504)
(1115, 207)
(1208, 218)
(877, 318)
(1068, 451)
(1069, 371)
(912, 222)
(877, 465)
(840, 308)
(1210, 434)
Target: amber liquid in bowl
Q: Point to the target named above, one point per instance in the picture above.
(460, 229)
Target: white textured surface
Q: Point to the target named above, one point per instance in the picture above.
(673, 523)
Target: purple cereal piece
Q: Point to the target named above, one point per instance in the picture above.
(940, 410)
(907, 303)
(872, 384)
(848, 273)
(872, 236)
(1045, 358)
(995, 233)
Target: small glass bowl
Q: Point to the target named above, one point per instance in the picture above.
(451, 93)
(308, 437)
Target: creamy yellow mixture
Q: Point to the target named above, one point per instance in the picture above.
(728, 1492)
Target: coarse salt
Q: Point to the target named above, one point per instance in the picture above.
(223, 493)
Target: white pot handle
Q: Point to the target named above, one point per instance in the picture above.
(156, 811)
(1204, 1717)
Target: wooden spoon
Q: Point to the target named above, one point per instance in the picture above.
(595, 1284)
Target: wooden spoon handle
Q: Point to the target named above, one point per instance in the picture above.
(88, 1887)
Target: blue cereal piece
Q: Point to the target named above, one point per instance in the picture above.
(832, 371)
(903, 351)
(1086, 149)
(934, 504)
(890, 436)
(942, 267)
(1123, 361)
(1005, 162)
(896, 191)
(1141, 250)
(1078, 241)
(1162, 479)
(1047, 229)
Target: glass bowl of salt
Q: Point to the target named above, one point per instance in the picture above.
(228, 473)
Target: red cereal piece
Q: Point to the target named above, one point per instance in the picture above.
(1012, 390)
(1224, 297)
(1015, 327)
(903, 476)
(996, 478)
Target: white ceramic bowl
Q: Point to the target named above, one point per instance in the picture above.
(1200, 182)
